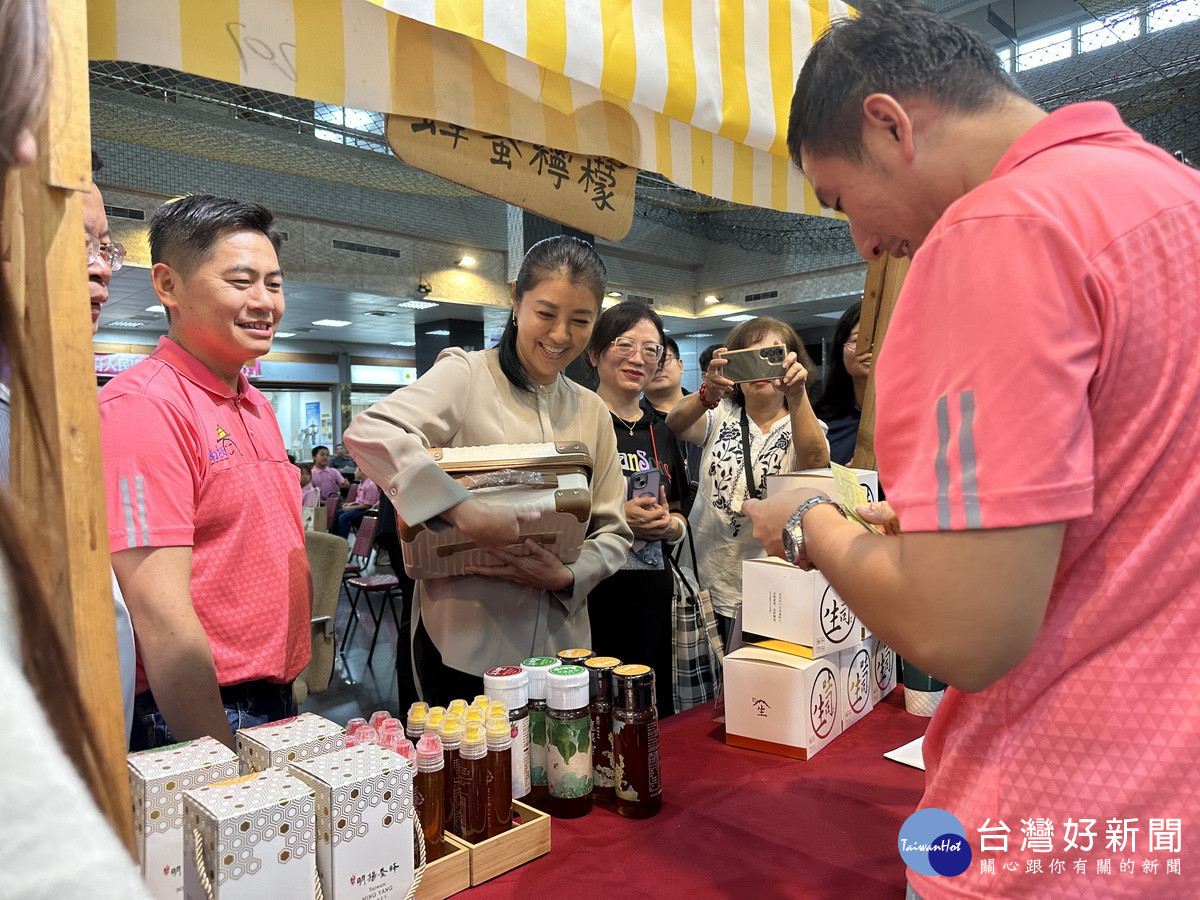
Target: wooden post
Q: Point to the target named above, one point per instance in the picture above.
(57, 480)
(884, 278)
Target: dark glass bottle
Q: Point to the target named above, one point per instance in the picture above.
(635, 742)
(575, 657)
(536, 668)
(499, 775)
(599, 669)
(472, 757)
(568, 742)
(429, 795)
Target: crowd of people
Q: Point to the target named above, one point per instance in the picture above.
(1018, 421)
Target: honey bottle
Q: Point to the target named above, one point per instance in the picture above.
(472, 791)
(499, 775)
(536, 667)
(429, 795)
(573, 657)
(415, 724)
(599, 669)
(568, 742)
(510, 686)
(450, 731)
(635, 742)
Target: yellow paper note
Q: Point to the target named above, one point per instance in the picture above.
(850, 494)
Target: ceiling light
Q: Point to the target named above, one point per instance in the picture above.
(331, 323)
(403, 343)
(712, 298)
(700, 334)
(608, 302)
(614, 293)
(440, 332)
(124, 324)
(467, 261)
(158, 308)
(742, 318)
(417, 304)
(285, 334)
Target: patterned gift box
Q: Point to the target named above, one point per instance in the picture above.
(250, 838)
(157, 780)
(279, 744)
(364, 821)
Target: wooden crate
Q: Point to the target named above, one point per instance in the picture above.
(517, 846)
(449, 875)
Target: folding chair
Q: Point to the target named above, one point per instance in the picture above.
(360, 557)
(331, 511)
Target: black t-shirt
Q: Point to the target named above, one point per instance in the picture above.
(651, 444)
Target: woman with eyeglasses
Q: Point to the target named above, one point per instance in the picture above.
(630, 611)
(748, 431)
(527, 603)
(839, 402)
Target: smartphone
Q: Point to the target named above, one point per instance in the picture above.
(755, 364)
(642, 484)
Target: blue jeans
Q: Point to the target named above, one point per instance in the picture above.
(247, 704)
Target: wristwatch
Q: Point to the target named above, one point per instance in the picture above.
(793, 532)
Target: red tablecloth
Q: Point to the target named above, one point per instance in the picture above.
(738, 823)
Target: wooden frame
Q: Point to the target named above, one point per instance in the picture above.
(884, 279)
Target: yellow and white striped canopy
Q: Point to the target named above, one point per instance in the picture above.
(696, 90)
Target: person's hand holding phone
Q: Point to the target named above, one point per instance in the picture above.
(648, 517)
(795, 378)
(716, 385)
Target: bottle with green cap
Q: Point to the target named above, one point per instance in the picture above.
(536, 667)
(599, 669)
(635, 742)
(508, 686)
(472, 792)
(450, 731)
(568, 742)
(499, 775)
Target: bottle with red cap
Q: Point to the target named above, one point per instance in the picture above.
(510, 686)
(429, 794)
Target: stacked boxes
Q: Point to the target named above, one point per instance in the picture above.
(257, 839)
(818, 670)
(364, 821)
(287, 741)
(157, 780)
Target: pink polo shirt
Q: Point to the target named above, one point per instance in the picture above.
(328, 481)
(1040, 367)
(368, 493)
(190, 463)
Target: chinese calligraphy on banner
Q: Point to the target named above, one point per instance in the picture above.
(590, 193)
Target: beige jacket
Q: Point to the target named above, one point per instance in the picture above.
(464, 400)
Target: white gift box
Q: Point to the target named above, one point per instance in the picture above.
(779, 703)
(157, 780)
(855, 684)
(788, 604)
(364, 806)
(821, 480)
(257, 838)
(883, 669)
(278, 744)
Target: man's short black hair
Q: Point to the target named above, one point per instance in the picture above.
(672, 347)
(97, 164)
(183, 231)
(317, 449)
(896, 47)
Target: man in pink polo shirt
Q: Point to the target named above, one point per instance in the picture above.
(1037, 425)
(218, 588)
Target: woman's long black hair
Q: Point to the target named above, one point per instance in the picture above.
(836, 398)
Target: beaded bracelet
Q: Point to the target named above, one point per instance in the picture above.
(704, 401)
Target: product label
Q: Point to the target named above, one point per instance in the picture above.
(569, 757)
(521, 755)
(537, 748)
(602, 752)
(638, 769)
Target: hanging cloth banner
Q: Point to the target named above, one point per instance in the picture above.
(696, 90)
(586, 192)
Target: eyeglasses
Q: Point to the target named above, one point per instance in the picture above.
(671, 357)
(626, 348)
(113, 252)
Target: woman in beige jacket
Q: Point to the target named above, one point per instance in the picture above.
(523, 605)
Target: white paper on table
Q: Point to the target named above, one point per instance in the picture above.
(909, 754)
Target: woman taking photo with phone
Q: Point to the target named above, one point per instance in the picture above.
(748, 431)
(527, 603)
(630, 611)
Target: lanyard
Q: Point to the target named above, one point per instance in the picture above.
(751, 484)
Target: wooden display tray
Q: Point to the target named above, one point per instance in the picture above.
(524, 841)
(446, 876)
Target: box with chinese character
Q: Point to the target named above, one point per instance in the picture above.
(447, 876)
(779, 703)
(854, 684)
(528, 838)
(364, 821)
(157, 780)
(883, 669)
(256, 837)
(821, 480)
(281, 743)
(784, 603)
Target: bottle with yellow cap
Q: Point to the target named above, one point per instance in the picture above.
(472, 791)
(457, 708)
(415, 725)
(576, 656)
(635, 742)
(474, 714)
(450, 730)
(434, 718)
(599, 669)
(499, 775)
(482, 701)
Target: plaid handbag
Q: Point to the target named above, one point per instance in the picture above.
(697, 647)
